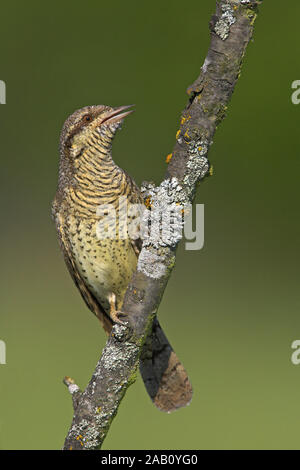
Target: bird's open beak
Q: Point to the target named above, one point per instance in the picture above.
(117, 114)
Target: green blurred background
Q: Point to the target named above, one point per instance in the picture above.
(230, 310)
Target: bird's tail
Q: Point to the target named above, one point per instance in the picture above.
(163, 374)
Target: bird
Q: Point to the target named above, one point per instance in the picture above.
(102, 266)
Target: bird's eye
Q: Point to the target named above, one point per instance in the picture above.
(87, 118)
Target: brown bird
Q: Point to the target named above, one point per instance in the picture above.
(102, 266)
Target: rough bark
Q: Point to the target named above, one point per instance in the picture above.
(231, 29)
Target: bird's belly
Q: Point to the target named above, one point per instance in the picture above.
(106, 265)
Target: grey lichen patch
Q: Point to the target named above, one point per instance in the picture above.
(93, 387)
(197, 165)
(115, 355)
(121, 331)
(168, 192)
(198, 147)
(162, 223)
(151, 264)
(103, 419)
(91, 438)
(86, 433)
(222, 27)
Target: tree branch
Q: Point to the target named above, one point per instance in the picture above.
(231, 29)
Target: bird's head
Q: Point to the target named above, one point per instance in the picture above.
(90, 126)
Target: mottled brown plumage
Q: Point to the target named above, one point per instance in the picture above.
(102, 267)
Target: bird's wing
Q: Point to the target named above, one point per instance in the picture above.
(87, 296)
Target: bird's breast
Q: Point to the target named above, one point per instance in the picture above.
(105, 264)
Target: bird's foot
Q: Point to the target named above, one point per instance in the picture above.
(114, 313)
